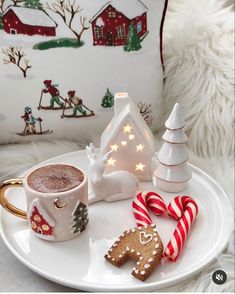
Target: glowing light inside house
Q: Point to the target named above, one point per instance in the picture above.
(127, 128)
(111, 161)
(123, 143)
(139, 147)
(131, 137)
(139, 167)
(114, 147)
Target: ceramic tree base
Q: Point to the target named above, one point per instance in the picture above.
(170, 187)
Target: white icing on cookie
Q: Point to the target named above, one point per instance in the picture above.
(150, 259)
(147, 265)
(142, 273)
(156, 246)
(154, 252)
(145, 238)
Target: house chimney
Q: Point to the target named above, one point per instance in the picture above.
(121, 99)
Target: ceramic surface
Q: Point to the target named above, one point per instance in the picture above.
(80, 264)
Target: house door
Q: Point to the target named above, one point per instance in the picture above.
(109, 39)
(13, 31)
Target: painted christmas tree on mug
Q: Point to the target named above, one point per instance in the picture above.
(173, 172)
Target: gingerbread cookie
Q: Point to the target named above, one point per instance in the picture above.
(142, 244)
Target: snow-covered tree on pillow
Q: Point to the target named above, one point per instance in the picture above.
(58, 58)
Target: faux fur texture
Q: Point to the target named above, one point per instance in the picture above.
(14, 159)
(199, 71)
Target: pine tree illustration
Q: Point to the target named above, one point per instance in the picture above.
(108, 99)
(80, 218)
(36, 4)
(133, 40)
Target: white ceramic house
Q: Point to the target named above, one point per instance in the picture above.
(130, 139)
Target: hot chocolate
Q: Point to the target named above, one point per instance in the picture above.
(55, 178)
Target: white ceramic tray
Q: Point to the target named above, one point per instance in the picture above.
(80, 263)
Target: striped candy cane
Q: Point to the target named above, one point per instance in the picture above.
(142, 202)
(184, 209)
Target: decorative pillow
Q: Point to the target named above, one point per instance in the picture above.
(62, 61)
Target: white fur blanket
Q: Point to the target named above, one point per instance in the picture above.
(199, 71)
(14, 159)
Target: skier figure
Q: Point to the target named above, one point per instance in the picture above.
(77, 102)
(30, 120)
(54, 92)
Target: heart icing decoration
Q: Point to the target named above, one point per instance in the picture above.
(181, 208)
(145, 238)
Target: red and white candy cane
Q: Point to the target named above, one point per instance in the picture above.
(182, 208)
(140, 207)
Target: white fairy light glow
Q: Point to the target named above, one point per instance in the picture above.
(111, 162)
(123, 143)
(140, 166)
(114, 147)
(139, 147)
(127, 128)
(131, 137)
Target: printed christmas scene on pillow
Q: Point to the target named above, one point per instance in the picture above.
(61, 62)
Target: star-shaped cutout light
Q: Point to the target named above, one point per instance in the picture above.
(127, 128)
(114, 147)
(111, 161)
(139, 147)
(140, 166)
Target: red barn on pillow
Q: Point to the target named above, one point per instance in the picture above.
(28, 21)
(110, 24)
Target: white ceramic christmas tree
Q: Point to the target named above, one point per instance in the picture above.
(173, 172)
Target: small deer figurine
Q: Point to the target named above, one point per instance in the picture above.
(117, 185)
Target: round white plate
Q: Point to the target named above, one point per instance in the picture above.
(80, 263)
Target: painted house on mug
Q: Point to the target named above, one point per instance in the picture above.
(130, 138)
(110, 24)
(28, 21)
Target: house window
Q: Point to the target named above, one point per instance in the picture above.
(99, 32)
(121, 32)
(139, 26)
(111, 14)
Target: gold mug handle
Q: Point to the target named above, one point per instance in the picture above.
(5, 202)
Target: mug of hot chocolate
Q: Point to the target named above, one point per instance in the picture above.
(57, 198)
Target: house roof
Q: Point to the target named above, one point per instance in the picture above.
(130, 8)
(33, 17)
(129, 114)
